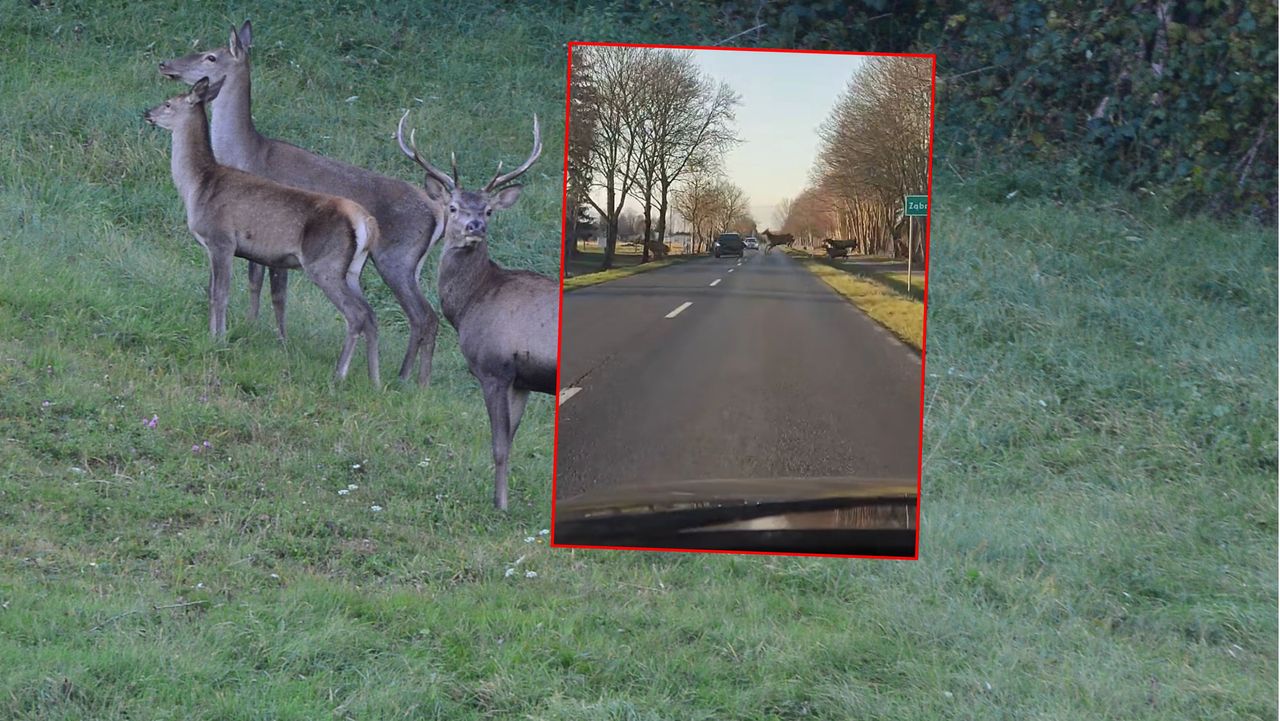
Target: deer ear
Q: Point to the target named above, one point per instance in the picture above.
(436, 190)
(506, 197)
(246, 35)
(212, 91)
(198, 91)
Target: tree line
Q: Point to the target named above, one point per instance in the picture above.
(873, 151)
(646, 125)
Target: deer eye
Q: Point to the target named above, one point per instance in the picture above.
(166, 104)
(211, 58)
(453, 209)
(488, 212)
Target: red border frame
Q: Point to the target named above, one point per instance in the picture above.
(564, 198)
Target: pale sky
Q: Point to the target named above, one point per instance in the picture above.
(785, 97)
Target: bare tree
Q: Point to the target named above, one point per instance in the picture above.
(781, 211)
(578, 168)
(613, 150)
(875, 149)
(730, 205)
(695, 201)
(682, 120)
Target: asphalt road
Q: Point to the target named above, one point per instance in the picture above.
(765, 373)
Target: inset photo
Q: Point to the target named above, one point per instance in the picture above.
(744, 289)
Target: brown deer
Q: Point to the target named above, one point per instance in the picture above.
(507, 320)
(235, 214)
(777, 239)
(404, 213)
(658, 250)
(838, 248)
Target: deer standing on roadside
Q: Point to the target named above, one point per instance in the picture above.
(404, 213)
(507, 320)
(232, 213)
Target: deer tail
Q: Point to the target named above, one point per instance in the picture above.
(368, 238)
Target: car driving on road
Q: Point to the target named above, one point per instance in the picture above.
(752, 243)
(728, 244)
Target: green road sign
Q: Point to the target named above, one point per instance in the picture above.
(917, 205)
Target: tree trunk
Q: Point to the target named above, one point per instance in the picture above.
(648, 223)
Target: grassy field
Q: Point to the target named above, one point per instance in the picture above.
(1099, 511)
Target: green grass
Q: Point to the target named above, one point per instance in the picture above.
(1099, 509)
(882, 301)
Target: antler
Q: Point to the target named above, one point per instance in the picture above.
(499, 178)
(410, 149)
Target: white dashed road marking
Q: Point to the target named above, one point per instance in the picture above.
(731, 270)
(715, 282)
(566, 394)
(677, 311)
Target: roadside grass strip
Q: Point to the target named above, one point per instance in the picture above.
(604, 276)
(901, 316)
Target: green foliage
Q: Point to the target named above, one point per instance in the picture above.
(1026, 80)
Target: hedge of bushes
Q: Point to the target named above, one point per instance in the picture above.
(1175, 97)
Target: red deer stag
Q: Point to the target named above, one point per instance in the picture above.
(777, 239)
(404, 213)
(235, 214)
(506, 319)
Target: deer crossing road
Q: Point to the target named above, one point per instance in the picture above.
(693, 372)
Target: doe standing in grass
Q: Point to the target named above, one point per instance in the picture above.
(235, 214)
(507, 320)
(404, 213)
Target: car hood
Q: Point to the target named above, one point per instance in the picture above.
(800, 499)
(824, 516)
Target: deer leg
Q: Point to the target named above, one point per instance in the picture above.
(369, 329)
(255, 289)
(402, 278)
(335, 288)
(517, 399)
(497, 399)
(219, 287)
(279, 291)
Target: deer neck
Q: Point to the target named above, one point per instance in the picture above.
(192, 157)
(235, 139)
(462, 276)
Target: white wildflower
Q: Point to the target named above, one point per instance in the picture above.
(510, 572)
(375, 509)
(530, 574)
(343, 491)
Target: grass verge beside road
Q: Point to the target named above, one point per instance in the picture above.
(595, 277)
(902, 316)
